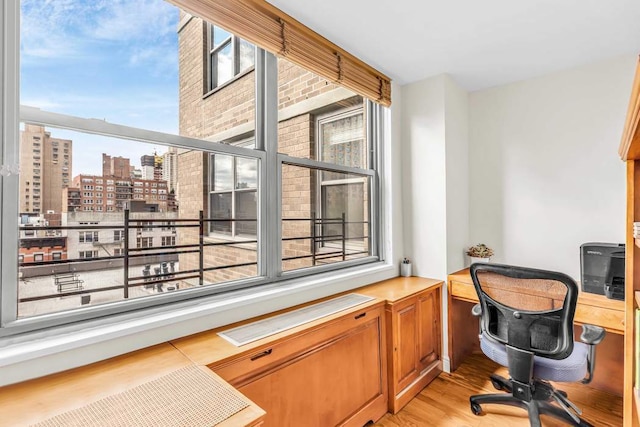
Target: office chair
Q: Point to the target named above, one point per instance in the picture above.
(526, 325)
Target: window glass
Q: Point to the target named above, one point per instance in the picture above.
(223, 172)
(246, 173)
(223, 63)
(330, 129)
(247, 209)
(221, 211)
(220, 35)
(247, 55)
(122, 179)
(323, 224)
(342, 140)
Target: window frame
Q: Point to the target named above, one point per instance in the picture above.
(321, 184)
(269, 208)
(211, 72)
(233, 235)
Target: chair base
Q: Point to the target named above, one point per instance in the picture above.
(539, 405)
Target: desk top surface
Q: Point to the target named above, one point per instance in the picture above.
(36, 400)
(591, 308)
(584, 298)
(208, 347)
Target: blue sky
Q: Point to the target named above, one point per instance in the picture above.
(108, 59)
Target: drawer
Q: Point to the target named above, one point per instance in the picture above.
(242, 368)
(611, 320)
(463, 291)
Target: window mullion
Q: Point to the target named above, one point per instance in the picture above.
(234, 199)
(272, 207)
(9, 118)
(374, 135)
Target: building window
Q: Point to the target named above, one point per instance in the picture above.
(233, 198)
(56, 256)
(88, 254)
(118, 235)
(341, 140)
(144, 242)
(39, 257)
(118, 252)
(88, 236)
(168, 240)
(228, 56)
(20, 259)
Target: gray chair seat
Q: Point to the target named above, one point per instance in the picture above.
(573, 368)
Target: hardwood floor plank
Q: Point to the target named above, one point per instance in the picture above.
(445, 402)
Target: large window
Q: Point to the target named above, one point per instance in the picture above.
(228, 56)
(273, 178)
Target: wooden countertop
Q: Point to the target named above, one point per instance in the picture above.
(398, 288)
(591, 308)
(208, 347)
(36, 400)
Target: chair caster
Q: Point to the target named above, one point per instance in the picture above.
(476, 409)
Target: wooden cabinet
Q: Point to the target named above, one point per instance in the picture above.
(413, 345)
(331, 375)
(630, 152)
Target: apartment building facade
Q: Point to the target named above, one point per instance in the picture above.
(91, 193)
(118, 167)
(170, 169)
(45, 170)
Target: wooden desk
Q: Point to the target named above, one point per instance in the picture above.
(409, 305)
(591, 308)
(39, 399)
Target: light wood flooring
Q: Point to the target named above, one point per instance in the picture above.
(445, 402)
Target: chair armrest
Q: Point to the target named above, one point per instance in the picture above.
(592, 334)
(477, 310)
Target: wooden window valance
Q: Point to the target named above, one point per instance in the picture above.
(273, 30)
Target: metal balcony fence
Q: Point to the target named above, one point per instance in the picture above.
(322, 247)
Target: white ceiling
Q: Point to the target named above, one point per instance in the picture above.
(480, 43)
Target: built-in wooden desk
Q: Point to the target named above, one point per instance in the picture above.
(591, 308)
(37, 400)
(347, 356)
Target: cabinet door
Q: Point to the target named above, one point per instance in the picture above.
(326, 386)
(428, 306)
(405, 331)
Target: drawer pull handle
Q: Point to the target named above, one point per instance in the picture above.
(360, 315)
(263, 354)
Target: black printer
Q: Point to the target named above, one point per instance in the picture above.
(602, 269)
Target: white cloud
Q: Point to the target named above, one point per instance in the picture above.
(76, 28)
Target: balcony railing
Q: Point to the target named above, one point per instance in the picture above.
(323, 247)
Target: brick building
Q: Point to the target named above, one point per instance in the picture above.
(40, 244)
(91, 193)
(119, 167)
(317, 120)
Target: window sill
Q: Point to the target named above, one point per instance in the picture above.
(228, 82)
(33, 355)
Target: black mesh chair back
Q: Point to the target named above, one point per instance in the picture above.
(526, 308)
